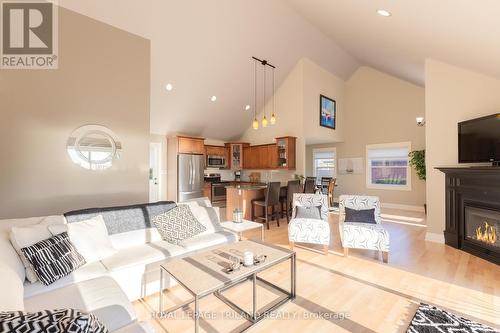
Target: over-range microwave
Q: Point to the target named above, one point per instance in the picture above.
(214, 161)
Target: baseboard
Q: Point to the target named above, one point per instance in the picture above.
(433, 237)
(413, 208)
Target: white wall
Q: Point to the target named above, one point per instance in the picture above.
(103, 78)
(452, 95)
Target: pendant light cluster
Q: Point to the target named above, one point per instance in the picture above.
(272, 120)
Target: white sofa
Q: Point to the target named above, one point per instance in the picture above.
(107, 287)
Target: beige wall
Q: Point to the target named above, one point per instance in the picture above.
(318, 81)
(380, 109)
(103, 78)
(452, 94)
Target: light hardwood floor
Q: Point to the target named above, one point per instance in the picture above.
(358, 293)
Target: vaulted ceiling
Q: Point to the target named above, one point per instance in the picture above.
(460, 32)
(203, 48)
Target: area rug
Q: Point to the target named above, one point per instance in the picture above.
(429, 319)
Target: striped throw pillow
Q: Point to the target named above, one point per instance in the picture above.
(53, 258)
(54, 321)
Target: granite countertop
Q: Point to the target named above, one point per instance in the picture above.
(248, 187)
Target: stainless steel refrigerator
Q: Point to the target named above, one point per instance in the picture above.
(190, 176)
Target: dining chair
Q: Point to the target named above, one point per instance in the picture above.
(324, 184)
(271, 200)
(331, 190)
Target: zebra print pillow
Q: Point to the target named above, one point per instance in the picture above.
(53, 258)
(63, 320)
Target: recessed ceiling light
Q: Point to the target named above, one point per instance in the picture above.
(247, 107)
(169, 87)
(383, 12)
(213, 98)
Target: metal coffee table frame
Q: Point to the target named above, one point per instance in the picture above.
(253, 317)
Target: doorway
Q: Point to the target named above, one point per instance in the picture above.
(155, 179)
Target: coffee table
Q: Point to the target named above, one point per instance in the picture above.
(205, 273)
(245, 225)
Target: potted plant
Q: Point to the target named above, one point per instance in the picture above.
(417, 161)
(299, 178)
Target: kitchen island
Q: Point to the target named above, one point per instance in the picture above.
(241, 196)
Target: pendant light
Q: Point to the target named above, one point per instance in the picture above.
(273, 115)
(264, 119)
(255, 123)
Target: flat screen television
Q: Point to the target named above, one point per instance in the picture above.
(479, 140)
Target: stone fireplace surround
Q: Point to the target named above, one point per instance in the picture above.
(472, 192)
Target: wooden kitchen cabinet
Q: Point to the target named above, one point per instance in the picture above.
(217, 151)
(286, 152)
(190, 145)
(207, 190)
(236, 154)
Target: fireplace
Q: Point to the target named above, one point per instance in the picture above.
(473, 210)
(482, 227)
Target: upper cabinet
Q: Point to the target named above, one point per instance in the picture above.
(286, 152)
(267, 156)
(190, 145)
(236, 159)
(216, 151)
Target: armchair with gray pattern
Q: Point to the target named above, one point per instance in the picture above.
(309, 230)
(358, 235)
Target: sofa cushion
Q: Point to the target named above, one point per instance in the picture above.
(204, 241)
(136, 327)
(54, 321)
(86, 272)
(142, 255)
(178, 224)
(11, 289)
(101, 296)
(90, 238)
(123, 218)
(134, 238)
(206, 215)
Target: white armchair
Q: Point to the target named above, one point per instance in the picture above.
(310, 230)
(358, 235)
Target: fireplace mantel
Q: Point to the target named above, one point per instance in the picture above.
(475, 187)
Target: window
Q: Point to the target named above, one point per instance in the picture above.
(324, 163)
(388, 167)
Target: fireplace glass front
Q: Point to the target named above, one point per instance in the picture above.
(482, 226)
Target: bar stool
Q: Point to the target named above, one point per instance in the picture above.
(310, 185)
(271, 200)
(293, 186)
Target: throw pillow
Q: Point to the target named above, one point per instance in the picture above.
(178, 224)
(308, 212)
(56, 321)
(90, 238)
(53, 258)
(28, 235)
(360, 215)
